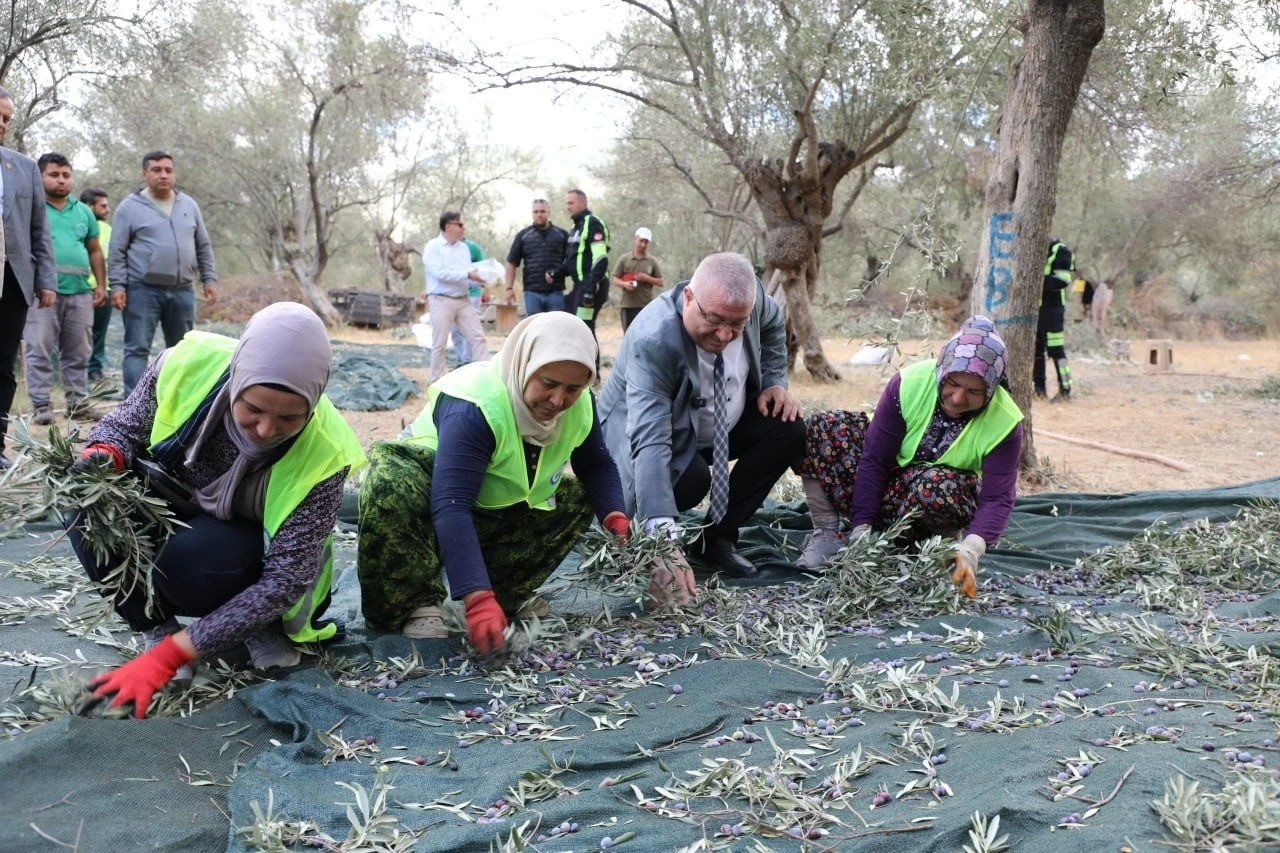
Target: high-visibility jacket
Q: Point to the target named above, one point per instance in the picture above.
(326, 445)
(1059, 273)
(918, 396)
(506, 480)
(590, 251)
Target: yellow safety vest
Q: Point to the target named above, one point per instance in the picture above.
(325, 446)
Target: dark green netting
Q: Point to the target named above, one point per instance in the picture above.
(123, 785)
(363, 384)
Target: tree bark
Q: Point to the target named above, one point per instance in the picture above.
(314, 295)
(1021, 193)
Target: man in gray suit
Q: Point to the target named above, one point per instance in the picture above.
(30, 275)
(659, 407)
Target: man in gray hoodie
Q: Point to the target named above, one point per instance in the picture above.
(159, 245)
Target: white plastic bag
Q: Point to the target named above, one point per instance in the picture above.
(870, 356)
(422, 334)
(491, 271)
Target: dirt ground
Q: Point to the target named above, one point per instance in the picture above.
(1201, 414)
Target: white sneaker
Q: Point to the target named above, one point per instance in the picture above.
(425, 623)
(819, 546)
(153, 637)
(270, 648)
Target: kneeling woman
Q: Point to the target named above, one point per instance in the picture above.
(944, 443)
(478, 486)
(242, 434)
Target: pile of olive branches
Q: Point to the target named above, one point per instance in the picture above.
(119, 522)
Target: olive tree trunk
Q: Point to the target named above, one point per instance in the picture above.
(1021, 194)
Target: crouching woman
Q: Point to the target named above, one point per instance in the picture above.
(943, 448)
(252, 455)
(478, 486)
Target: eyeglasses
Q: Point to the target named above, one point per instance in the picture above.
(540, 201)
(717, 322)
(457, 222)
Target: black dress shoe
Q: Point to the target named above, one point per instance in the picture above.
(722, 554)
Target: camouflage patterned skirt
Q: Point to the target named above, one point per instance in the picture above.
(399, 561)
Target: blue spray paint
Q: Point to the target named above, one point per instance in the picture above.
(1000, 247)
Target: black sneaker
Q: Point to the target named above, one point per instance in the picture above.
(43, 416)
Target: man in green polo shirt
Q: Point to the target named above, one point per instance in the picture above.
(66, 326)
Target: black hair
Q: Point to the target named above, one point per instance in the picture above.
(151, 156)
(91, 196)
(53, 157)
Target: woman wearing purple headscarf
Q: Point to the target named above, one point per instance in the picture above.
(944, 443)
(240, 440)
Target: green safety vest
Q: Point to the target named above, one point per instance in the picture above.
(506, 480)
(325, 446)
(598, 249)
(918, 395)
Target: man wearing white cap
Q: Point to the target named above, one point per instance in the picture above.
(637, 276)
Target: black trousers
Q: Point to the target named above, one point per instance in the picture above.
(764, 448)
(1051, 340)
(573, 300)
(13, 317)
(200, 568)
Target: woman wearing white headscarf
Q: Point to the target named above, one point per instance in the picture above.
(241, 440)
(478, 486)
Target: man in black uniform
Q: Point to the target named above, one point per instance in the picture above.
(586, 262)
(1051, 339)
(540, 247)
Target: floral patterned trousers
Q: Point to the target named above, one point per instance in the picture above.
(943, 498)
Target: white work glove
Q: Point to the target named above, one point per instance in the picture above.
(963, 559)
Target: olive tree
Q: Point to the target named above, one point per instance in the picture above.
(1058, 38)
(796, 95)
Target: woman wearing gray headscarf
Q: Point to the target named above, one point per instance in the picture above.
(241, 440)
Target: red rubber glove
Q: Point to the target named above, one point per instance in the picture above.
(97, 453)
(141, 677)
(485, 622)
(619, 525)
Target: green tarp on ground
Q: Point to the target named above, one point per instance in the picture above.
(657, 729)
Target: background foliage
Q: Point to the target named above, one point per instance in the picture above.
(301, 126)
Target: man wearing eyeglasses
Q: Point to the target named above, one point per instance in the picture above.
(540, 247)
(447, 262)
(709, 355)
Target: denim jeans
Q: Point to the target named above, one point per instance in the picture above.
(171, 308)
(541, 303)
(101, 324)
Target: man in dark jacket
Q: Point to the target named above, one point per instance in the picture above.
(540, 247)
(1051, 339)
(586, 262)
